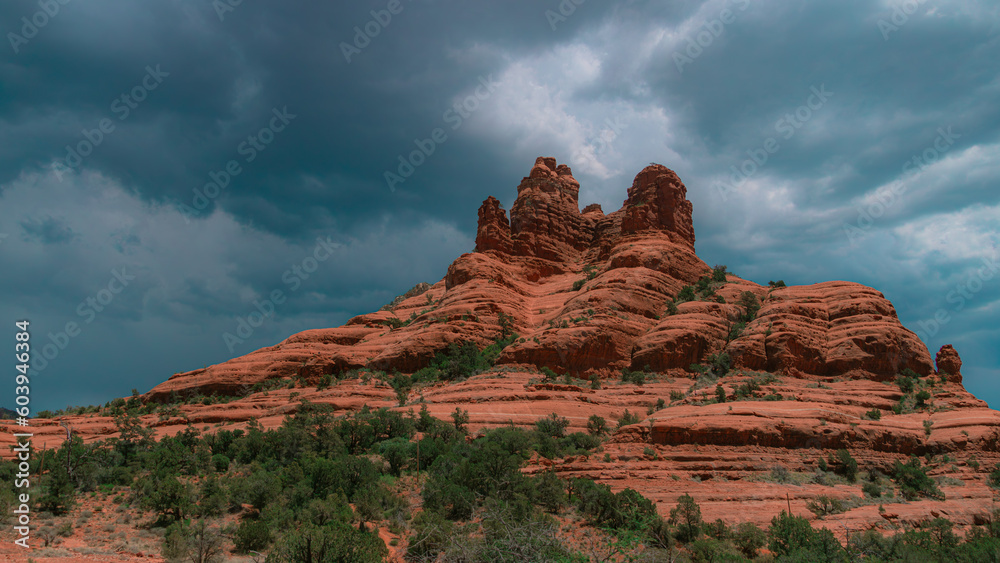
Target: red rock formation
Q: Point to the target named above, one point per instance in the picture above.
(658, 200)
(588, 293)
(830, 328)
(545, 220)
(494, 229)
(636, 260)
(949, 364)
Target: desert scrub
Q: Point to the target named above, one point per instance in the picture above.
(824, 505)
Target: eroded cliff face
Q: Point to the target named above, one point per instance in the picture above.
(588, 294)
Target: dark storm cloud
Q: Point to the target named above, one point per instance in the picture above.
(226, 76)
(184, 93)
(47, 230)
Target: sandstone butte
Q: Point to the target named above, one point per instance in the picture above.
(834, 348)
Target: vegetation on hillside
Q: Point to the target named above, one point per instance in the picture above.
(316, 488)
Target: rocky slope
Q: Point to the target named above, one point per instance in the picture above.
(591, 294)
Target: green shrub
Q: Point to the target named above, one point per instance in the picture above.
(671, 307)
(747, 388)
(460, 361)
(213, 497)
(550, 491)
(636, 377)
(776, 284)
(717, 529)
(874, 414)
(922, 397)
(460, 418)
(167, 496)
(251, 535)
(712, 549)
(736, 330)
(512, 534)
(823, 505)
(194, 542)
(872, 490)
(994, 477)
(596, 425)
(719, 364)
(750, 304)
(703, 284)
(941, 533)
(59, 493)
(549, 374)
(336, 541)
(627, 510)
(686, 294)
(789, 534)
(846, 465)
(431, 535)
(220, 463)
(913, 480)
(325, 381)
(397, 452)
(552, 425)
(720, 393)
(906, 383)
(780, 474)
(686, 516)
(719, 274)
(627, 419)
(749, 538)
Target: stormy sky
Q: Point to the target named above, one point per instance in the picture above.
(165, 166)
